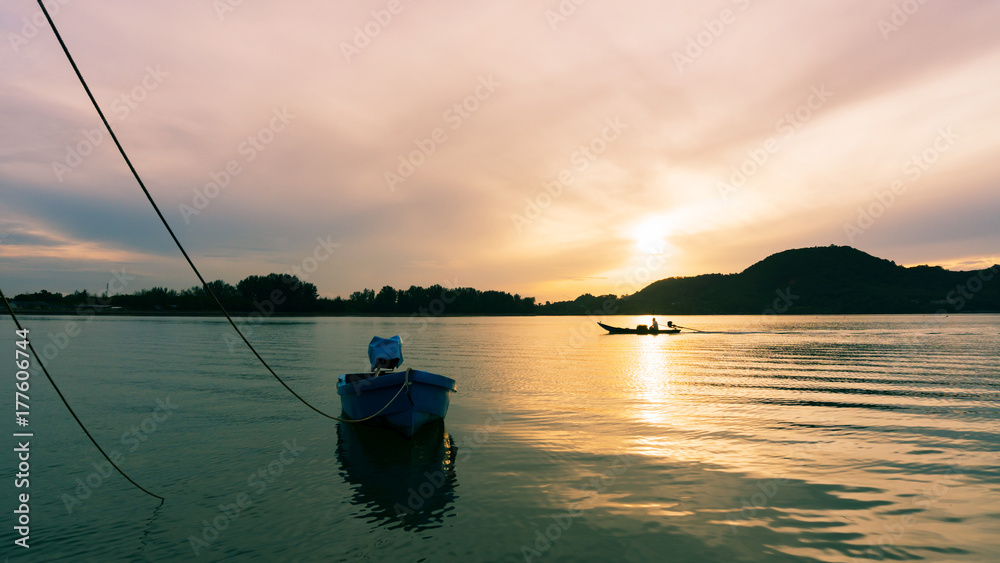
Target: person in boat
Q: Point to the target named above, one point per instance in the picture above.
(654, 325)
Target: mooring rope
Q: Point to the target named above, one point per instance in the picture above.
(405, 385)
(180, 247)
(38, 360)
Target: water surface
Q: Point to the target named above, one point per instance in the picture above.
(761, 439)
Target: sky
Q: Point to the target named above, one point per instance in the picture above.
(548, 148)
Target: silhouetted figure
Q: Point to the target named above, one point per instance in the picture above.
(654, 326)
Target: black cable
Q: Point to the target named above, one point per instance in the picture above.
(204, 284)
(180, 247)
(38, 360)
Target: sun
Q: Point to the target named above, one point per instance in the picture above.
(649, 235)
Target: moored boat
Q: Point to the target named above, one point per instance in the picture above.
(401, 400)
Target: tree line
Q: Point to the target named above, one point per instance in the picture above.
(283, 293)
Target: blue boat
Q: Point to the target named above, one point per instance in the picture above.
(401, 400)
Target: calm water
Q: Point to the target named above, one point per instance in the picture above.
(779, 439)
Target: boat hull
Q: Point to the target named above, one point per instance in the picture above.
(426, 399)
(617, 330)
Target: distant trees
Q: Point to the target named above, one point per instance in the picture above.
(43, 296)
(284, 293)
(288, 294)
(57, 300)
(385, 300)
(585, 304)
(362, 300)
(434, 300)
(148, 299)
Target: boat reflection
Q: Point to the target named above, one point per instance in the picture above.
(408, 483)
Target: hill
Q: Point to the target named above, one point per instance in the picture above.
(818, 280)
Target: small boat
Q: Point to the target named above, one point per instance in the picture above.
(641, 329)
(403, 401)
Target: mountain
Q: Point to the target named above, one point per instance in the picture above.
(818, 280)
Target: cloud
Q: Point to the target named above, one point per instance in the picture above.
(421, 78)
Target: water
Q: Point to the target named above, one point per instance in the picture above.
(775, 439)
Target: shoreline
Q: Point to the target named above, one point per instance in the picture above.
(235, 314)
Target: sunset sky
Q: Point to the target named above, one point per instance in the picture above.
(545, 148)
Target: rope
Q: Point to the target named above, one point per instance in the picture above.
(163, 220)
(405, 385)
(38, 360)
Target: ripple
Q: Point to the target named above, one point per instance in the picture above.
(826, 439)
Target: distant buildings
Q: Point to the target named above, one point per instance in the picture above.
(31, 305)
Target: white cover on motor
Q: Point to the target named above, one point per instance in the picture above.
(386, 349)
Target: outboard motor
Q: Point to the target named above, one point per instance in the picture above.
(385, 353)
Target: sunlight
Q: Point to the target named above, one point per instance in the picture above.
(649, 235)
(653, 376)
